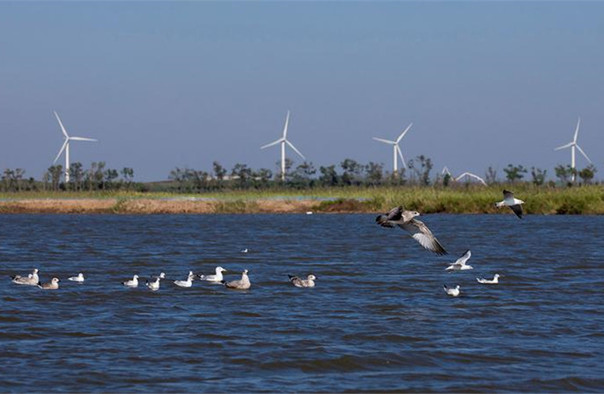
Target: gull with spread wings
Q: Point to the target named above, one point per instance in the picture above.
(418, 230)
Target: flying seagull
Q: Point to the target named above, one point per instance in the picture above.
(418, 230)
(493, 281)
(510, 201)
(460, 264)
(299, 282)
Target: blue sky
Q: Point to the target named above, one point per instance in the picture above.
(181, 84)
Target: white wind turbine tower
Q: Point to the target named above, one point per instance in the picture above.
(572, 145)
(396, 149)
(65, 146)
(283, 140)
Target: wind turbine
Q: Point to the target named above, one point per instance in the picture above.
(65, 146)
(572, 145)
(396, 149)
(283, 140)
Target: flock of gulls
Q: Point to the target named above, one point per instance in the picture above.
(395, 217)
(422, 234)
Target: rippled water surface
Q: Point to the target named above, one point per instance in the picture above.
(378, 319)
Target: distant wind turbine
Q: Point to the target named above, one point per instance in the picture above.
(283, 140)
(65, 146)
(470, 175)
(396, 149)
(572, 145)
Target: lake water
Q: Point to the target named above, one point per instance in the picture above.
(378, 319)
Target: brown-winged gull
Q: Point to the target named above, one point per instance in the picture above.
(418, 230)
(299, 282)
(241, 284)
(510, 201)
(31, 279)
(52, 285)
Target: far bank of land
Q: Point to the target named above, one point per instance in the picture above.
(470, 199)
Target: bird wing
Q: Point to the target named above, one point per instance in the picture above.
(517, 210)
(422, 234)
(508, 194)
(395, 214)
(465, 257)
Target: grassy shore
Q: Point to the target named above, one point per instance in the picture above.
(459, 199)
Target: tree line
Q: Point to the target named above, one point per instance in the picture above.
(305, 175)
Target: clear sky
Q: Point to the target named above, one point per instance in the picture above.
(181, 84)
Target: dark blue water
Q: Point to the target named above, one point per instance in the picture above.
(378, 319)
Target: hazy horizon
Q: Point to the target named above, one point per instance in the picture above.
(166, 85)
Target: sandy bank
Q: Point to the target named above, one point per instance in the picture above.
(153, 206)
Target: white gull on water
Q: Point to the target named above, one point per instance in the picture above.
(79, 278)
(453, 292)
(132, 282)
(154, 284)
(493, 281)
(217, 278)
(186, 283)
(460, 264)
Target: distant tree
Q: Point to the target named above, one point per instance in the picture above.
(219, 170)
(421, 168)
(76, 172)
(375, 173)
(514, 173)
(109, 176)
(8, 180)
(243, 174)
(352, 172)
(564, 173)
(447, 179)
(491, 176)
(538, 176)
(588, 173)
(127, 176)
(302, 175)
(329, 176)
(55, 172)
(262, 177)
(18, 177)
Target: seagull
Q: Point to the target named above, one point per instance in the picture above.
(31, 279)
(452, 292)
(241, 284)
(132, 282)
(244, 250)
(186, 283)
(493, 281)
(308, 282)
(510, 201)
(418, 230)
(79, 278)
(154, 284)
(217, 278)
(460, 264)
(52, 285)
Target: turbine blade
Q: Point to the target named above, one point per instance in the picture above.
(401, 155)
(83, 139)
(577, 131)
(565, 146)
(286, 124)
(61, 150)
(403, 133)
(272, 143)
(294, 148)
(61, 124)
(583, 153)
(384, 141)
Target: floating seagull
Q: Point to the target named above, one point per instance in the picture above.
(186, 283)
(452, 292)
(52, 285)
(217, 278)
(510, 201)
(31, 279)
(161, 276)
(241, 284)
(79, 278)
(244, 250)
(418, 230)
(132, 282)
(460, 264)
(493, 281)
(308, 282)
(154, 284)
